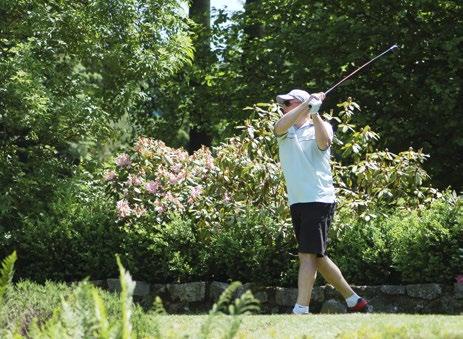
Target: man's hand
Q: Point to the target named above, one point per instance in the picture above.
(314, 105)
(315, 102)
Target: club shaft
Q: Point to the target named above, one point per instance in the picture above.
(358, 69)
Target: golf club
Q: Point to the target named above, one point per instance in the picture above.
(390, 49)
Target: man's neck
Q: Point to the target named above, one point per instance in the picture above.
(301, 121)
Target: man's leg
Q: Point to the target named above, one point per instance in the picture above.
(332, 274)
(306, 277)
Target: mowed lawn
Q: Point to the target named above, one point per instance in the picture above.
(319, 326)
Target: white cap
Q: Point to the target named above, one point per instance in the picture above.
(298, 94)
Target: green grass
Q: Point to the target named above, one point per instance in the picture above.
(324, 326)
(26, 301)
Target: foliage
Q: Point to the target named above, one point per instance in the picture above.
(379, 250)
(6, 273)
(413, 96)
(244, 170)
(74, 238)
(82, 313)
(69, 71)
(434, 237)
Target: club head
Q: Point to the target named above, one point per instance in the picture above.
(393, 47)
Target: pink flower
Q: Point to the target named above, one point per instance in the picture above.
(176, 168)
(123, 160)
(143, 144)
(134, 180)
(159, 207)
(174, 200)
(139, 211)
(152, 186)
(123, 208)
(459, 279)
(195, 192)
(175, 179)
(109, 176)
(182, 155)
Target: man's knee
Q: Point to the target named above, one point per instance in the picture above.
(307, 257)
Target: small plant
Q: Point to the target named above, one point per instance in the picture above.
(6, 273)
(245, 304)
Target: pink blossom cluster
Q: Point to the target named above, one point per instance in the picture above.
(123, 208)
(134, 180)
(153, 186)
(109, 176)
(172, 200)
(123, 160)
(195, 193)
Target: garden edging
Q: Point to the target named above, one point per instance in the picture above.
(199, 296)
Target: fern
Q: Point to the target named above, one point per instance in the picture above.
(127, 288)
(246, 304)
(6, 273)
(158, 307)
(103, 330)
(221, 306)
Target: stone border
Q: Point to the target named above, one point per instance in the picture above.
(200, 296)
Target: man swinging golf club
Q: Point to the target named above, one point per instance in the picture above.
(304, 141)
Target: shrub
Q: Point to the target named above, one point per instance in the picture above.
(251, 246)
(402, 247)
(74, 238)
(165, 252)
(425, 245)
(232, 199)
(362, 249)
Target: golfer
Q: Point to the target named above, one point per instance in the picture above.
(304, 141)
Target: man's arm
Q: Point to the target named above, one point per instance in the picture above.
(287, 120)
(322, 136)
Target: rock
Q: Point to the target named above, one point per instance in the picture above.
(243, 288)
(285, 296)
(189, 292)
(98, 283)
(261, 296)
(318, 294)
(330, 292)
(216, 288)
(424, 291)
(158, 289)
(333, 306)
(141, 288)
(367, 292)
(458, 290)
(393, 289)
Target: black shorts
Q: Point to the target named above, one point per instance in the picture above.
(311, 222)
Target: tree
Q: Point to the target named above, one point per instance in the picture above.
(415, 96)
(68, 71)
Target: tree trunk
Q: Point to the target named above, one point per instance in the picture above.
(200, 13)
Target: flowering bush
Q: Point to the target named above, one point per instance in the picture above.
(222, 212)
(155, 180)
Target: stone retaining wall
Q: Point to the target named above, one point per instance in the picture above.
(200, 296)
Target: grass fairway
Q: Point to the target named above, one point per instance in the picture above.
(320, 326)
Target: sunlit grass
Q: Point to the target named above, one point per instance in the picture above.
(326, 326)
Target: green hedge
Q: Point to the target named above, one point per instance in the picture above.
(404, 247)
(74, 241)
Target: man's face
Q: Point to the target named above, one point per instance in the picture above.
(288, 105)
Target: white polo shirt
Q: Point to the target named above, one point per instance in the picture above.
(306, 168)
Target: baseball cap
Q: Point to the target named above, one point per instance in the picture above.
(298, 94)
